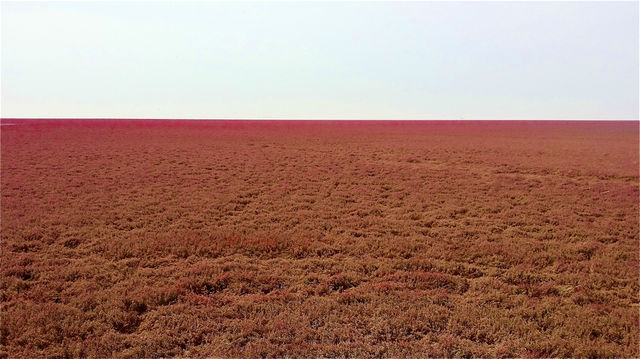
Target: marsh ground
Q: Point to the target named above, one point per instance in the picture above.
(336, 239)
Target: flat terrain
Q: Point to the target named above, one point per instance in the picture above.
(360, 239)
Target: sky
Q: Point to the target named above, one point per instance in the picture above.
(320, 60)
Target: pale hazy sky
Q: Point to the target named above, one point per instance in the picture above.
(331, 60)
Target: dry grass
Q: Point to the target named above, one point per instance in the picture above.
(358, 239)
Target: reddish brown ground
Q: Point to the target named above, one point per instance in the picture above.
(335, 239)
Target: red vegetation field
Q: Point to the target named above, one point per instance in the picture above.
(335, 239)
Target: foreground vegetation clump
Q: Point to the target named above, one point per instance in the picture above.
(319, 239)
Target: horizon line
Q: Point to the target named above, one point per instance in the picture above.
(313, 119)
